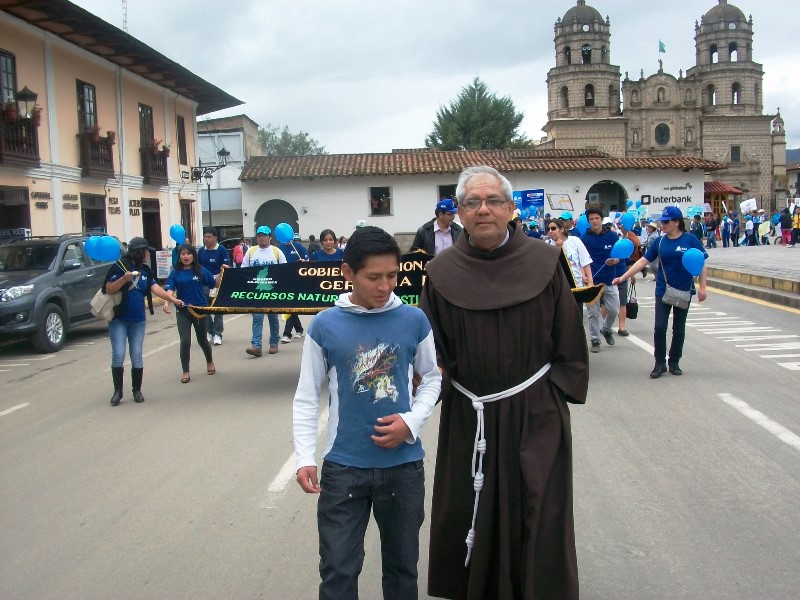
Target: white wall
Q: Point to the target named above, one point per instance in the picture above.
(339, 203)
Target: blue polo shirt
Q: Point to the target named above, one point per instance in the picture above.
(213, 259)
(599, 246)
(293, 251)
(671, 258)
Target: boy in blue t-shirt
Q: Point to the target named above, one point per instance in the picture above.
(369, 348)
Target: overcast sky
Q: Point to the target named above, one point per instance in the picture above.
(369, 75)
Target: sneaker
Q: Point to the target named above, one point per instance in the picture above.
(609, 337)
(273, 349)
(595, 346)
(623, 332)
(299, 335)
(254, 351)
(217, 340)
(286, 339)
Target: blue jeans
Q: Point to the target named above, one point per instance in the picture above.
(214, 324)
(258, 329)
(133, 331)
(396, 496)
(660, 332)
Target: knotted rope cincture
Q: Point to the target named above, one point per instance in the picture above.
(479, 448)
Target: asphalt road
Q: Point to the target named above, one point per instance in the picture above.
(685, 487)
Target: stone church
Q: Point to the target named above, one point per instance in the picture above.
(714, 111)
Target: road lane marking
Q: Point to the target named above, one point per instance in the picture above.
(17, 365)
(287, 472)
(641, 343)
(776, 429)
(727, 338)
(792, 366)
(779, 355)
(8, 411)
(756, 301)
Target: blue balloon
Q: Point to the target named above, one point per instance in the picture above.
(630, 203)
(284, 233)
(91, 245)
(178, 233)
(107, 249)
(617, 216)
(638, 203)
(693, 261)
(582, 224)
(627, 220)
(622, 249)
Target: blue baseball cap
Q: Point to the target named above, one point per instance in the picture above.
(263, 230)
(566, 215)
(446, 205)
(671, 212)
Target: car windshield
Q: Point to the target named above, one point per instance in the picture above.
(27, 257)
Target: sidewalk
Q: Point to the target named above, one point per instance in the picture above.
(770, 273)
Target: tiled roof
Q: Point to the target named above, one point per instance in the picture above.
(718, 187)
(419, 162)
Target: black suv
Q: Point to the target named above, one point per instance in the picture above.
(46, 284)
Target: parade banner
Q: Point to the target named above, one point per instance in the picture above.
(301, 287)
(310, 287)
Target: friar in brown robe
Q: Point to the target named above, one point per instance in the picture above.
(501, 309)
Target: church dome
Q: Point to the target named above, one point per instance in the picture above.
(582, 14)
(724, 13)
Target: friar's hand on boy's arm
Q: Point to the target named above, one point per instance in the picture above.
(391, 431)
(307, 478)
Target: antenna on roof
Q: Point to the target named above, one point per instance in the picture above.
(125, 16)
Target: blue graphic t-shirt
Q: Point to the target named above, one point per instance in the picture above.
(189, 285)
(137, 292)
(321, 255)
(671, 256)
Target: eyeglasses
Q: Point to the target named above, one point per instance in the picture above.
(552, 228)
(493, 203)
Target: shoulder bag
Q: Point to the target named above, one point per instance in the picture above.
(102, 304)
(673, 296)
(632, 307)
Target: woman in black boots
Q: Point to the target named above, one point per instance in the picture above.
(131, 275)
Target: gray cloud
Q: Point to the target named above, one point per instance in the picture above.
(366, 76)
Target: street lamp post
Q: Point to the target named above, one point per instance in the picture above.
(207, 172)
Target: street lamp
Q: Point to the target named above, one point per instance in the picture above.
(207, 171)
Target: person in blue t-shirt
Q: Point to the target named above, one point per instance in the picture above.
(599, 241)
(294, 251)
(214, 257)
(370, 349)
(329, 250)
(131, 276)
(188, 281)
(669, 250)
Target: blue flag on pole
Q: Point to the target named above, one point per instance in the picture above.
(661, 47)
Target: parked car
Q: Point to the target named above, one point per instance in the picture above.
(46, 284)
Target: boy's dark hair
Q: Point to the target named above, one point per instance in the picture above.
(212, 230)
(366, 242)
(593, 211)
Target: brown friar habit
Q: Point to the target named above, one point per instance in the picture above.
(497, 318)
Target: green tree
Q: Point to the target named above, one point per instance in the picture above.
(281, 142)
(477, 120)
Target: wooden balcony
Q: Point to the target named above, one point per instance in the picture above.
(96, 155)
(19, 142)
(154, 165)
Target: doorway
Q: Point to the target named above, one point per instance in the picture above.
(607, 195)
(277, 211)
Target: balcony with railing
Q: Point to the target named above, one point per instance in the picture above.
(96, 154)
(19, 142)
(154, 165)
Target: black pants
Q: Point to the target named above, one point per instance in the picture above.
(660, 332)
(185, 323)
(293, 322)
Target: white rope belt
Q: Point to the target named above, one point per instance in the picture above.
(480, 440)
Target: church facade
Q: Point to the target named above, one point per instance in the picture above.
(713, 111)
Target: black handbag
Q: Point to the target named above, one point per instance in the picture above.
(632, 307)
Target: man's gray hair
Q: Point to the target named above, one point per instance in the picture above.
(470, 172)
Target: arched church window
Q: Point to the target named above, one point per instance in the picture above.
(588, 95)
(568, 55)
(711, 94)
(713, 53)
(661, 95)
(586, 54)
(733, 52)
(736, 93)
(662, 134)
(564, 95)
